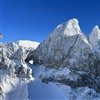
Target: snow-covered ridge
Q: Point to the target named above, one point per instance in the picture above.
(14, 72)
(28, 44)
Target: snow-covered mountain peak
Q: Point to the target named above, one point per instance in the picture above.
(73, 22)
(96, 27)
(94, 37)
(73, 26)
(66, 40)
(67, 29)
(95, 30)
(65, 52)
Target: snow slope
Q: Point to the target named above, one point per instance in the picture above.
(12, 87)
(39, 90)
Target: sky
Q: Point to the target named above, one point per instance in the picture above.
(35, 19)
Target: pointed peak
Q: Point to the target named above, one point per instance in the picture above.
(94, 37)
(73, 26)
(95, 30)
(74, 20)
(96, 27)
(68, 28)
(70, 22)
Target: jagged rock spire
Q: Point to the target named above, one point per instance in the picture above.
(94, 37)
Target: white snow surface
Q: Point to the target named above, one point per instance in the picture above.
(56, 91)
(69, 28)
(12, 87)
(28, 44)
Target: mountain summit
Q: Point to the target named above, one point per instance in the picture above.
(68, 28)
(94, 38)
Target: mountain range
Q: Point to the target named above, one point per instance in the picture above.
(67, 61)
